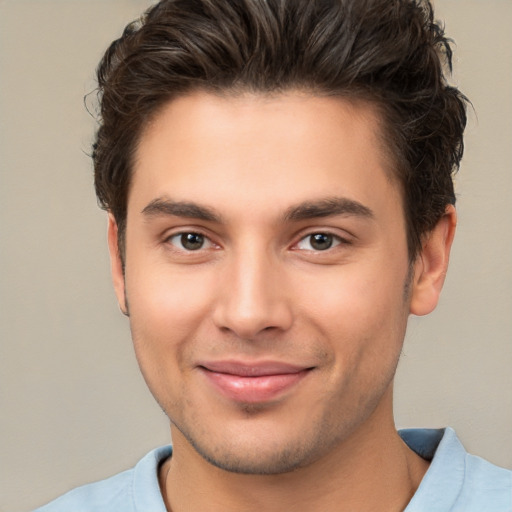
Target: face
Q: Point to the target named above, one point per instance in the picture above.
(266, 275)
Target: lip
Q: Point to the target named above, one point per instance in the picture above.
(253, 382)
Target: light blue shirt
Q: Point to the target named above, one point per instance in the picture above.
(454, 482)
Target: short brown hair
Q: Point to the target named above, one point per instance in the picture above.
(388, 52)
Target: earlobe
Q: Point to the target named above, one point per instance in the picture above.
(116, 264)
(432, 263)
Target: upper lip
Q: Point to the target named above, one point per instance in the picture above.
(252, 369)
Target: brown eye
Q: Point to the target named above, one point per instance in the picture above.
(189, 241)
(192, 241)
(321, 241)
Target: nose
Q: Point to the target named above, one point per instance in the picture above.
(252, 297)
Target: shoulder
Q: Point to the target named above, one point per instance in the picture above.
(456, 481)
(134, 490)
(486, 487)
(114, 493)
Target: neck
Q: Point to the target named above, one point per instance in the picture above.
(372, 470)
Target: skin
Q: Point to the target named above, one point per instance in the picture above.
(256, 176)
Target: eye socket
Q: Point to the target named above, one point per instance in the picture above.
(190, 241)
(318, 242)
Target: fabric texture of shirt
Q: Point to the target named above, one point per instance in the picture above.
(454, 482)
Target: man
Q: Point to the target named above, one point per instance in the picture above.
(278, 177)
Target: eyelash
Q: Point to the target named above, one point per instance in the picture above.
(335, 240)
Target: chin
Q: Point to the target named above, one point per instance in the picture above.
(263, 450)
(261, 462)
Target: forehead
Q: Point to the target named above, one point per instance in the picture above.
(270, 150)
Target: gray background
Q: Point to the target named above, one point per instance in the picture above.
(73, 407)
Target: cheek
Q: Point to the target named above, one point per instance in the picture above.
(167, 309)
(354, 294)
(361, 313)
(167, 312)
(168, 294)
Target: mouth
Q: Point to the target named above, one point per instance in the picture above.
(252, 383)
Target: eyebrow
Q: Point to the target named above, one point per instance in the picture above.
(328, 207)
(163, 206)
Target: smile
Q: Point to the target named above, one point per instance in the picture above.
(253, 383)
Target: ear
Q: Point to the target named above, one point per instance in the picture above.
(432, 263)
(116, 264)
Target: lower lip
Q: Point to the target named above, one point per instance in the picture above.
(254, 389)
